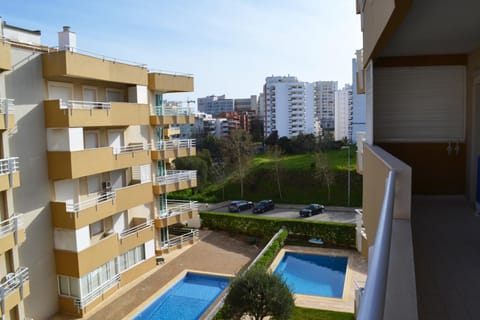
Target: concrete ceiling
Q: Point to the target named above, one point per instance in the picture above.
(434, 27)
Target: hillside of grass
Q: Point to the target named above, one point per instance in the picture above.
(297, 182)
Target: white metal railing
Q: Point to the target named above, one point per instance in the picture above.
(77, 104)
(84, 301)
(9, 165)
(131, 148)
(127, 232)
(6, 105)
(175, 176)
(13, 280)
(173, 111)
(372, 297)
(10, 225)
(176, 207)
(91, 202)
(173, 73)
(174, 144)
(178, 240)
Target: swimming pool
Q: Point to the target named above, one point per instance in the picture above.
(313, 274)
(188, 299)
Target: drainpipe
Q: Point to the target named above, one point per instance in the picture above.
(477, 204)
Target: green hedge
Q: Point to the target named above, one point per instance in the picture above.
(332, 233)
(272, 251)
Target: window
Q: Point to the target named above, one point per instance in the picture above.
(131, 258)
(96, 228)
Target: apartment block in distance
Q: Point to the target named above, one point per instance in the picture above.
(420, 159)
(87, 165)
(343, 113)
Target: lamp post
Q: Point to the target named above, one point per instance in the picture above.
(348, 168)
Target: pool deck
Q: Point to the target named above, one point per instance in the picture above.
(356, 271)
(216, 252)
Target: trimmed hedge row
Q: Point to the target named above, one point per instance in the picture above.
(332, 233)
(268, 256)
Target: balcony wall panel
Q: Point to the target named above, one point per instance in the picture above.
(179, 218)
(170, 83)
(5, 57)
(5, 181)
(76, 164)
(171, 187)
(166, 120)
(7, 241)
(175, 153)
(77, 264)
(13, 299)
(125, 198)
(135, 239)
(67, 64)
(120, 114)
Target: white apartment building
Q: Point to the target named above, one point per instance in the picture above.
(324, 105)
(343, 113)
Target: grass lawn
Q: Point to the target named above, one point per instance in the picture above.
(314, 314)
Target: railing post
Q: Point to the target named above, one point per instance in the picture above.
(11, 165)
(15, 230)
(5, 119)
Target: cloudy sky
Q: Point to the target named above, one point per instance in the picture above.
(230, 46)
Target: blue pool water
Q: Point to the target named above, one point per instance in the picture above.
(313, 274)
(188, 299)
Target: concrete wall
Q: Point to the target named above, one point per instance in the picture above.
(26, 85)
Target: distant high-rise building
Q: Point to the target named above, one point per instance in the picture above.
(358, 103)
(324, 105)
(343, 113)
(215, 105)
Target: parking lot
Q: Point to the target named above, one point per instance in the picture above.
(291, 211)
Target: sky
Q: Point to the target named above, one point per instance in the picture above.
(230, 46)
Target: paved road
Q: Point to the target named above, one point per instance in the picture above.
(336, 214)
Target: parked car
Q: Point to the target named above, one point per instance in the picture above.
(240, 205)
(263, 206)
(311, 209)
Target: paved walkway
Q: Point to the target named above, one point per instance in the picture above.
(216, 252)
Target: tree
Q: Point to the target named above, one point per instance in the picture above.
(259, 294)
(322, 172)
(275, 155)
(237, 150)
(272, 139)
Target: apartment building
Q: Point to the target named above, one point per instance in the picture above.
(420, 158)
(87, 164)
(324, 106)
(215, 105)
(358, 98)
(343, 113)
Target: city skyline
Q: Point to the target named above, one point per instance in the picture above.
(226, 46)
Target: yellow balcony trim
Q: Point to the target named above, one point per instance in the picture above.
(125, 198)
(8, 241)
(171, 154)
(5, 181)
(134, 239)
(179, 218)
(177, 186)
(165, 82)
(5, 57)
(118, 114)
(77, 264)
(67, 64)
(16, 289)
(165, 120)
(76, 164)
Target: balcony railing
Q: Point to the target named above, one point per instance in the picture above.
(91, 202)
(77, 104)
(178, 240)
(176, 207)
(175, 176)
(9, 165)
(372, 297)
(84, 301)
(173, 111)
(10, 225)
(13, 280)
(174, 144)
(131, 148)
(6, 105)
(127, 232)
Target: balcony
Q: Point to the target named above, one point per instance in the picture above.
(13, 289)
(71, 114)
(390, 291)
(171, 115)
(77, 264)
(177, 211)
(5, 58)
(12, 234)
(175, 180)
(170, 82)
(68, 65)
(141, 232)
(175, 148)
(75, 164)
(9, 173)
(79, 214)
(6, 109)
(177, 242)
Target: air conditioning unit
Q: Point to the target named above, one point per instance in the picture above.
(106, 186)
